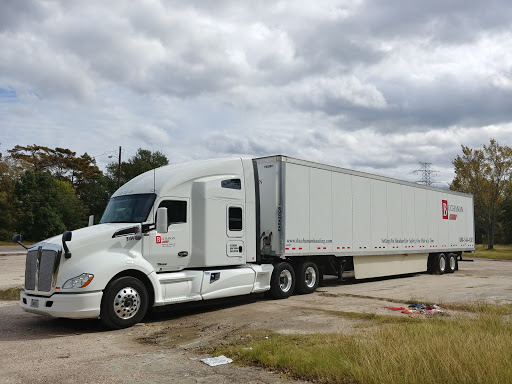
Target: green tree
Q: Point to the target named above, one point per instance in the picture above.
(80, 171)
(33, 157)
(141, 162)
(62, 163)
(485, 173)
(8, 210)
(96, 195)
(506, 220)
(47, 206)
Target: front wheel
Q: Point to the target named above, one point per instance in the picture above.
(124, 303)
(282, 282)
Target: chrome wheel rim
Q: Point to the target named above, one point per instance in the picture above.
(126, 303)
(285, 280)
(442, 264)
(452, 263)
(310, 277)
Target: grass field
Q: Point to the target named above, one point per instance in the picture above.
(463, 349)
(499, 251)
(10, 294)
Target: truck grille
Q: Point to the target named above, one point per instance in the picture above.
(40, 269)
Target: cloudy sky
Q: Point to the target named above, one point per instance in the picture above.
(376, 86)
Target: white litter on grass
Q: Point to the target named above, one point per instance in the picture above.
(219, 360)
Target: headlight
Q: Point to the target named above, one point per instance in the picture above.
(79, 282)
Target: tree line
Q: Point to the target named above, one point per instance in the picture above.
(46, 191)
(486, 174)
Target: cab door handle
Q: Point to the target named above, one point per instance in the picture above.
(183, 254)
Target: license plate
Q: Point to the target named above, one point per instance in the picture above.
(34, 303)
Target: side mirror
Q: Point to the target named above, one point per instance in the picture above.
(91, 221)
(66, 236)
(161, 220)
(17, 239)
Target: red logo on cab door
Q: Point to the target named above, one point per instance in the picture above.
(159, 239)
(445, 209)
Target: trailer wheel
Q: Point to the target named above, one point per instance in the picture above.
(124, 303)
(432, 259)
(282, 282)
(451, 263)
(308, 277)
(440, 266)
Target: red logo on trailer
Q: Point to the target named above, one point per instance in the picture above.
(445, 209)
(159, 239)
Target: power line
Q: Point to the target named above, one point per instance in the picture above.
(109, 153)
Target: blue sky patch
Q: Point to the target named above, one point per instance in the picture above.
(8, 95)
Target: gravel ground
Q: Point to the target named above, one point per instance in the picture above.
(36, 349)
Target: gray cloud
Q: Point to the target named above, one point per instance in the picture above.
(444, 22)
(372, 85)
(17, 15)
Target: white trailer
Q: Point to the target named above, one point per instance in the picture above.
(219, 228)
(376, 225)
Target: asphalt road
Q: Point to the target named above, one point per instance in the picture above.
(11, 249)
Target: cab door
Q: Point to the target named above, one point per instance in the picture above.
(171, 251)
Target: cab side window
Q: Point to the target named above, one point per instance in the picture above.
(176, 211)
(235, 219)
(231, 184)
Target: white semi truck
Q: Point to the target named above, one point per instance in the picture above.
(218, 228)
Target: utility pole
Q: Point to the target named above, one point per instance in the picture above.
(426, 171)
(119, 169)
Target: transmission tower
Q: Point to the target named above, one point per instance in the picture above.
(426, 174)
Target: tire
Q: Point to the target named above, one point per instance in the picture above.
(440, 265)
(451, 263)
(282, 282)
(124, 303)
(431, 263)
(307, 277)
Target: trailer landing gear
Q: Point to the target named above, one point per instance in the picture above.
(341, 269)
